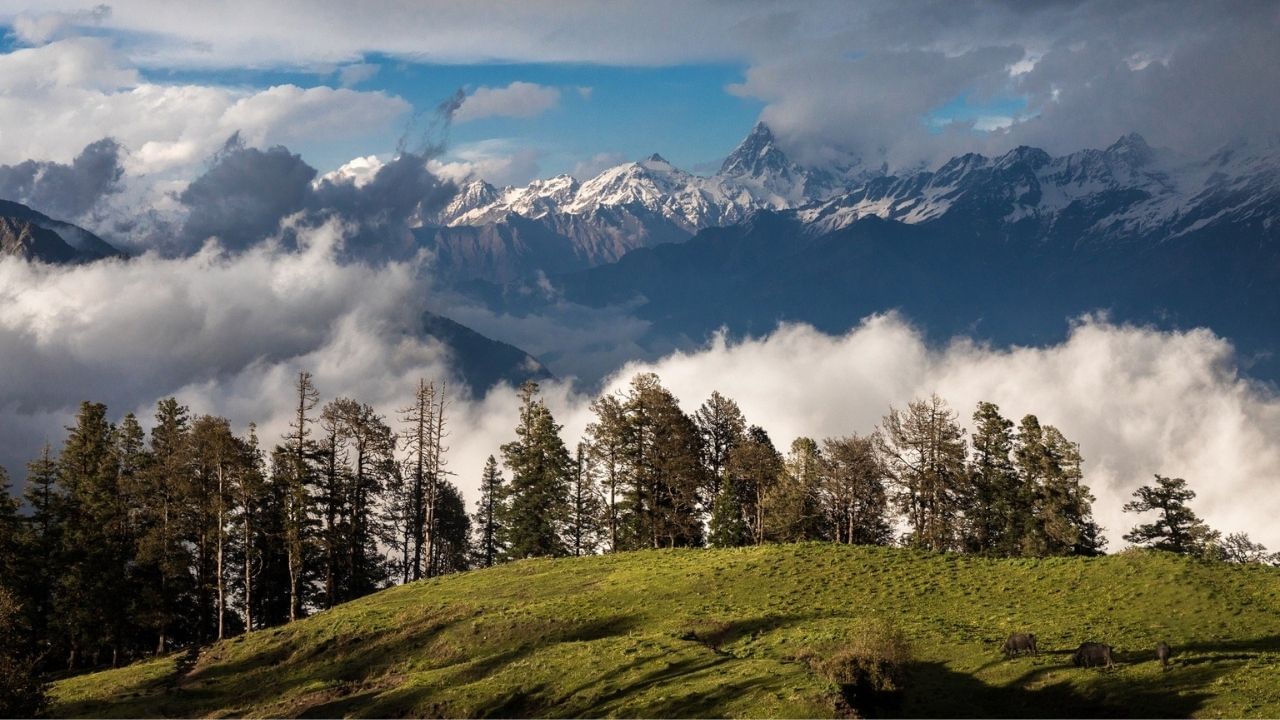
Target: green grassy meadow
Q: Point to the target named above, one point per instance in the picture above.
(690, 633)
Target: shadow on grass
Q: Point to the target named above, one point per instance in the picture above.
(936, 691)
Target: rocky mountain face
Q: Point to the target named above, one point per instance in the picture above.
(32, 235)
(561, 224)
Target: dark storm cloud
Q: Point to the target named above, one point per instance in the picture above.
(65, 191)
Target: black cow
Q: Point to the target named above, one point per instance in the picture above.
(1091, 654)
(1019, 643)
(1163, 653)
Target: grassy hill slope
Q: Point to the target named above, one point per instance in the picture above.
(722, 632)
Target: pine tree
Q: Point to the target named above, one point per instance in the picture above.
(924, 452)
(298, 478)
(583, 532)
(994, 510)
(722, 426)
(728, 527)
(91, 591)
(419, 434)
(1083, 536)
(164, 601)
(536, 504)
(795, 499)
(452, 531)
(43, 544)
(1176, 528)
(250, 492)
(754, 467)
(664, 474)
(854, 483)
(608, 440)
(487, 516)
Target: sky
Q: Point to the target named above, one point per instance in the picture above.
(554, 87)
(153, 121)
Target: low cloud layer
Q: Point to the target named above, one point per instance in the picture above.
(227, 333)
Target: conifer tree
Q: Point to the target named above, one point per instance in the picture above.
(487, 516)
(298, 478)
(727, 527)
(608, 439)
(583, 532)
(165, 594)
(452, 531)
(754, 467)
(534, 511)
(1176, 527)
(722, 426)
(43, 543)
(250, 493)
(796, 509)
(665, 476)
(11, 533)
(994, 509)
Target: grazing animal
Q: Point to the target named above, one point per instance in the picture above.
(1163, 653)
(1091, 654)
(1019, 643)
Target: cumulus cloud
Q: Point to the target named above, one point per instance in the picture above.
(497, 160)
(65, 191)
(59, 97)
(246, 193)
(517, 100)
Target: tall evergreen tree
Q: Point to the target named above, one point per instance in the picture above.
(727, 526)
(487, 521)
(43, 546)
(298, 478)
(1176, 527)
(722, 426)
(582, 535)
(795, 500)
(165, 593)
(452, 531)
(608, 438)
(854, 483)
(536, 504)
(665, 477)
(91, 591)
(754, 468)
(994, 510)
(924, 452)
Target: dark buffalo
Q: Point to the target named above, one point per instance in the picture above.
(1092, 654)
(1163, 653)
(1019, 643)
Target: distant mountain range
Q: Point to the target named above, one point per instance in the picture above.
(1006, 249)
(561, 224)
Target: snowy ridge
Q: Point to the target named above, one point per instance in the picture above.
(1128, 190)
(757, 175)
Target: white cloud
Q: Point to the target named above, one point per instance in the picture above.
(517, 100)
(592, 166)
(498, 161)
(357, 73)
(57, 98)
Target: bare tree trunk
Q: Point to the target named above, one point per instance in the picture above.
(248, 571)
(222, 586)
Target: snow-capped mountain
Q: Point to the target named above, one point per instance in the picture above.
(1128, 191)
(756, 175)
(632, 205)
